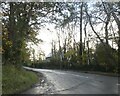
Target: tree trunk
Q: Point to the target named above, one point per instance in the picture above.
(11, 30)
(106, 30)
(107, 22)
(80, 51)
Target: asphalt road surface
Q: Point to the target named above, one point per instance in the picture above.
(69, 82)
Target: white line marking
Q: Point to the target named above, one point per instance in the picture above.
(118, 84)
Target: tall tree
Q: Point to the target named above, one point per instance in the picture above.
(22, 22)
(81, 46)
(117, 20)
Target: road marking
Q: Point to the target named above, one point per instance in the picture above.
(59, 72)
(118, 84)
(79, 76)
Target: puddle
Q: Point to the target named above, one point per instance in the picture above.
(42, 87)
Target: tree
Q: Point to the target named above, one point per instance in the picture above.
(105, 7)
(101, 57)
(118, 24)
(21, 19)
(81, 49)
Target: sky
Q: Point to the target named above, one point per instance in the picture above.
(48, 33)
(47, 36)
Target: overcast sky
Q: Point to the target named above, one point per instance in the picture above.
(47, 34)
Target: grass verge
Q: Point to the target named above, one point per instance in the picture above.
(16, 80)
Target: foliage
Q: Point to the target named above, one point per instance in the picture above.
(20, 26)
(102, 58)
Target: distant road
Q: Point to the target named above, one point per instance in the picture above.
(68, 82)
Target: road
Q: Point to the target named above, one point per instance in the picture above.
(69, 82)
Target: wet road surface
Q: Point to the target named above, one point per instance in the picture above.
(69, 82)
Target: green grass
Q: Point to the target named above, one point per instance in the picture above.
(16, 80)
(0, 80)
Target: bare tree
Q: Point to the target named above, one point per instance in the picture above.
(81, 14)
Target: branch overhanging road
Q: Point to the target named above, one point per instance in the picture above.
(69, 82)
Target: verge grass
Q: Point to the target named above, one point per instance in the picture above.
(16, 80)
